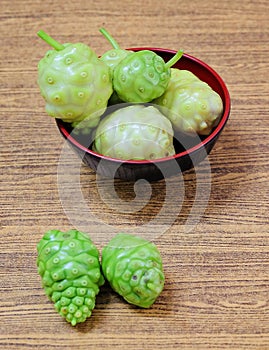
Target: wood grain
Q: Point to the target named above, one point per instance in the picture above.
(216, 294)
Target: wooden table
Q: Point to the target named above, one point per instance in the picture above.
(216, 294)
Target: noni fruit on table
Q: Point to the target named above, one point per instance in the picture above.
(133, 267)
(68, 263)
(191, 104)
(135, 132)
(74, 82)
(140, 76)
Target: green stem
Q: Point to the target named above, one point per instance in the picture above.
(111, 40)
(174, 59)
(49, 40)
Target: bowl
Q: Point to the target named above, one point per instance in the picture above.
(190, 151)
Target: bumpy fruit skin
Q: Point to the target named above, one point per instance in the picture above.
(75, 84)
(133, 267)
(68, 263)
(141, 77)
(191, 104)
(114, 56)
(135, 132)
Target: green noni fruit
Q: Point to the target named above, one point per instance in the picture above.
(133, 267)
(139, 76)
(142, 76)
(135, 132)
(74, 82)
(113, 57)
(191, 104)
(68, 263)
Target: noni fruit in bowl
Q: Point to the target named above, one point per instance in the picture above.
(191, 105)
(138, 76)
(75, 84)
(135, 132)
(115, 55)
(142, 76)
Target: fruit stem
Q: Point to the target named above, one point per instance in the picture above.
(174, 59)
(49, 40)
(111, 40)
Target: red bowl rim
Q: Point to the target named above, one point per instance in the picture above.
(202, 144)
